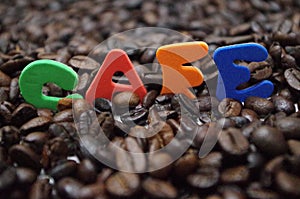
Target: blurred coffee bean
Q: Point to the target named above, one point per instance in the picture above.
(260, 105)
(35, 124)
(186, 164)
(249, 114)
(14, 65)
(239, 174)
(7, 176)
(64, 103)
(14, 89)
(84, 63)
(96, 191)
(233, 141)
(4, 79)
(9, 135)
(86, 171)
(229, 107)
(287, 61)
(69, 187)
(160, 165)
(275, 51)
(288, 183)
(289, 126)
(265, 137)
(159, 189)
(64, 116)
(292, 76)
(25, 176)
(204, 178)
(23, 113)
(3, 95)
(256, 190)
(282, 104)
(41, 189)
(24, 156)
(80, 106)
(286, 93)
(294, 146)
(213, 159)
(123, 184)
(204, 103)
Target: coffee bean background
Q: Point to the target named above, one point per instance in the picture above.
(257, 154)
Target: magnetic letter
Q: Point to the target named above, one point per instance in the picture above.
(176, 77)
(103, 86)
(232, 75)
(39, 72)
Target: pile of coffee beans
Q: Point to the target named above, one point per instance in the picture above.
(46, 154)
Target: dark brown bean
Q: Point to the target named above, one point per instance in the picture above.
(23, 113)
(126, 100)
(289, 126)
(229, 107)
(4, 79)
(233, 141)
(160, 165)
(204, 178)
(239, 174)
(26, 176)
(288, 183)
(63, 169)
(35, 124)
(292, 77)
(83, 62)
(260, 105)
(41, 189)
(149, 98)
(159, 188)
(69, 187)
(86, 171)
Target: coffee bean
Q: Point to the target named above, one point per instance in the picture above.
(14, 65)
(229, 107)
(126, 100)
(9, 135)
(239, 174)
(256, 190)
(288, 183)
(294, 147)
(233, 141)
(123, 184)
(14, 89)
(149, 98)
(292, 76)
(24, 156)
(213, 159)
(7, 176)
(69, 187)
(86, 171)
(160, 165)
(249, 114)
(93, 191)
(23, 113)
(41, 189)
(64, 116)
(84, 63)
(289, 126)
(64, 103)
(264, 138)
(204, 178)
(159, 188)
(103, 105)
(260, 105)
(3, 95)
(282, 104)
(63, 169)
(204, 103)
(4, 79)
(35, 124)
(36, 141)
(25, 176)
(186, 164)
(260, 70)
(80, 106)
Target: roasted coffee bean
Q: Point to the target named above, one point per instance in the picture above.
(149, 98)
(249, 114)
(163, 135)
(159, 189)
(93, 191)
(282, 104)
(126, 100)
(123, 184)
(204, 178)
(23, 113)
(7, 176)
(239, 174)
(14, 65)
(292, 76)
(294, 146)
(256, 190)
(86, 171)
(265, 137)
(135, 116)
(232, 191)
(204, 103)
(63, 169)
(275, 51)
(3, 95)
(213, 159)
(186, 164)
(25, 176)
(260, 70)
(36, 141)
(24, 156)
(41, 189)
(286, 93)
(69, 187)
(233, 141)
(287, 61)
(289, 126)
(80, 106)
(64, 116)
(4, 79)
(14, 89)
(160, 165)
(35, 124)
(84, 63)
(260, 105)
(9, 135)
(102, 105)
(229, 107)
(288, 183)
(64, 103)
